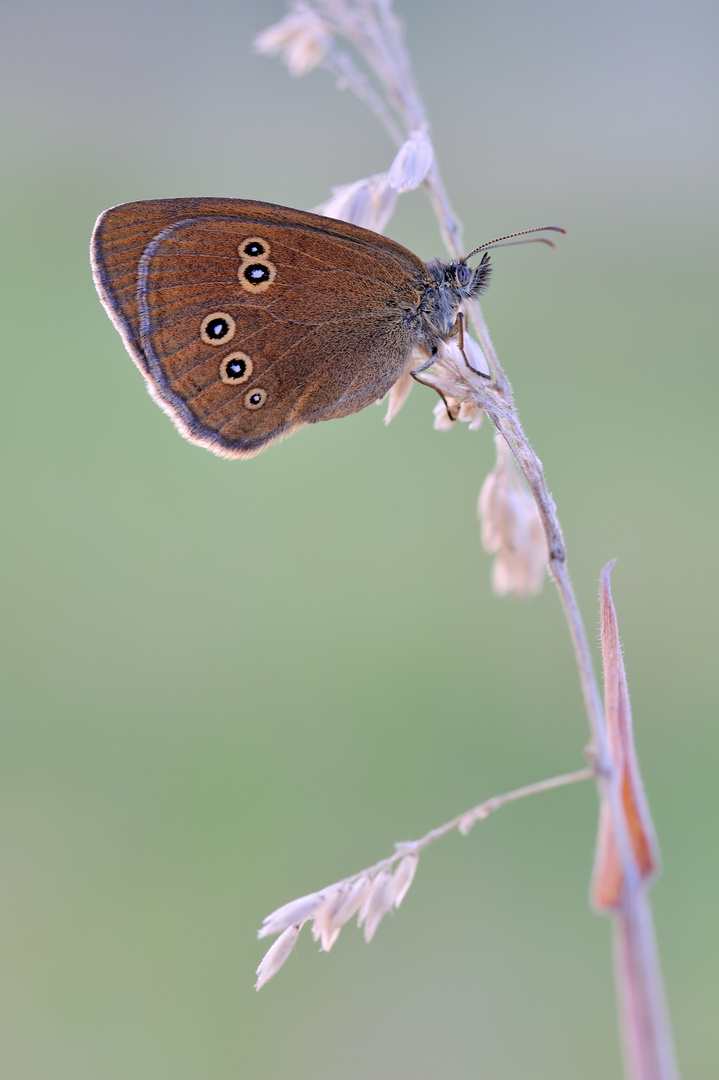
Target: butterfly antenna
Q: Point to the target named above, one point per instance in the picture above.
(510, 241)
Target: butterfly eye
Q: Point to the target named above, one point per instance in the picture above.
(464, 274)
(255, 399)
(217, 328)
(235, 368)
(253, 248)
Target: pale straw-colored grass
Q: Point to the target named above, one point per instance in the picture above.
(361, 43)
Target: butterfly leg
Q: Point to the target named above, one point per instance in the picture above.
(458, 328)
(424, 382)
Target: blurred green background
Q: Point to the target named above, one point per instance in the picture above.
(229, 683)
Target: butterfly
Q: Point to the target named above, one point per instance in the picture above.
(249, 319)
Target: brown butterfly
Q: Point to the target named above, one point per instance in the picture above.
(249, 320)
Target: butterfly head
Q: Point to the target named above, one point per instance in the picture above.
(457, 280)
(454, 283)
(451, 285)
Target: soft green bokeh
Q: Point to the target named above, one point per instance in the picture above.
(226, 684)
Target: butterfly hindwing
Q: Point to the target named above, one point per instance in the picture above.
(247, 326)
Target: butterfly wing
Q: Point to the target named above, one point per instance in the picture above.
(249, 320)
